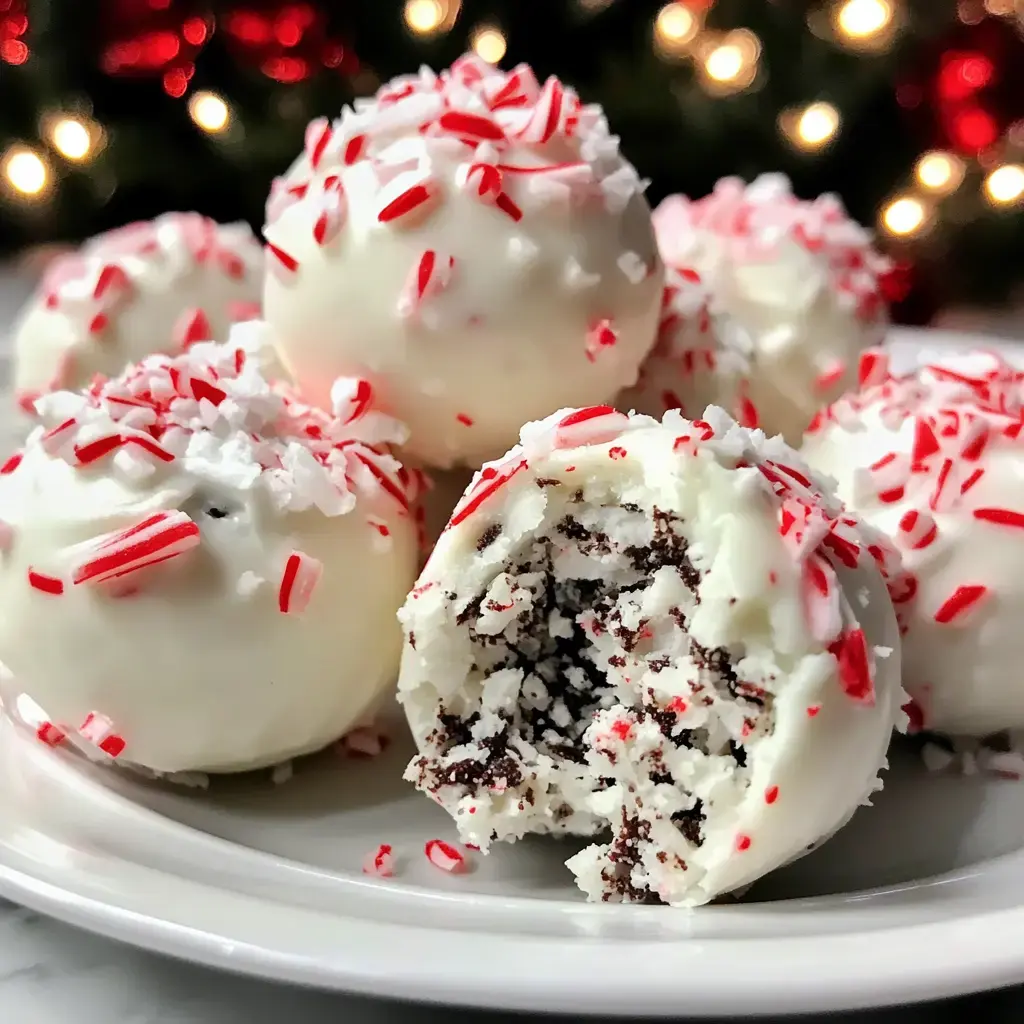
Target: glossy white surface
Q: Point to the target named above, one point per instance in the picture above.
(258, 879)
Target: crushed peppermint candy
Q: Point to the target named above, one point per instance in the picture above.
(510, 133)
(118, 270)
(445, 856)
(209, 413)
(380, 863)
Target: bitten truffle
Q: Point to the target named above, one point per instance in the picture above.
(671, 630)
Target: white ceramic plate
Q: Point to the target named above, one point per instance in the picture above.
(920, 896)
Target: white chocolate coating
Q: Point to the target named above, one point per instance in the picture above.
(473, 312)
(657, 628)
(926, 458)
(783, 294)
(210, 660)
(149, 287)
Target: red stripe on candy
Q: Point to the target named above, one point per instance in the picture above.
(1000, 516)
(961, 601)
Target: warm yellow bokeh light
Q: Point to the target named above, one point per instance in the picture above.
(424, 16)
(725, 63)
(862, 19)
(816, 125)
(904, 216)
(939, 172)
(489, 44)
(1005, 184)
(209, 111)
(675, 26)
(26, 171)
(71, 138)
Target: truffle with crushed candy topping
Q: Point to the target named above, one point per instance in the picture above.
(200, 571)
(671, 630)
(474, 244)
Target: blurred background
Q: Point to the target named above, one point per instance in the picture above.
(912, 110)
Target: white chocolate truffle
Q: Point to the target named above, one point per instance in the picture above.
(472, 243)
(935, 459)
(669, 630)
(200, 566)
(769, 301)
(154, 286)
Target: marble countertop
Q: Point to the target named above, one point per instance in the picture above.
(53, 974)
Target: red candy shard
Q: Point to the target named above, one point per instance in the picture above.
(851, 652)
(202, 389)
(504, 202)
(45, 583)
(444, 856)
(192, 326)
(1000, 516)
(961, 601)
(50, 734)
(380, 862)
(742, 843)
(771, 794)
(298, 580)
(156, 539)
(284, 259)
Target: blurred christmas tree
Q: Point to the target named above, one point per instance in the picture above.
(912, 110)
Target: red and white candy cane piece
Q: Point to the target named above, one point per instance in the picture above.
(333, 207)
(429, 277)
(520, 88)
(100, 448)
(380, 863)
(301, 574)
(471, 127)
(282, 263)
(354, 148)
(597, 424)
(351, 398)
(191, 327)
(111, 283)
(56, 438)
(831, 376)
(162, 536)
(601, 335)
(547, 114)
(917, 529)
(974, 438)
(960, 602)
(489, 481)
(444, 856)
(481, 180)
(508, 206)
(99, 731)
(820, 597)
(407, 199)
(851, 652)
(872, 368)
(318, 137)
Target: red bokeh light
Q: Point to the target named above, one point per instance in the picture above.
(13, 51)
(963, 74)
(248, 27)
(286, 69)
(195, 31)
(973, 129)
